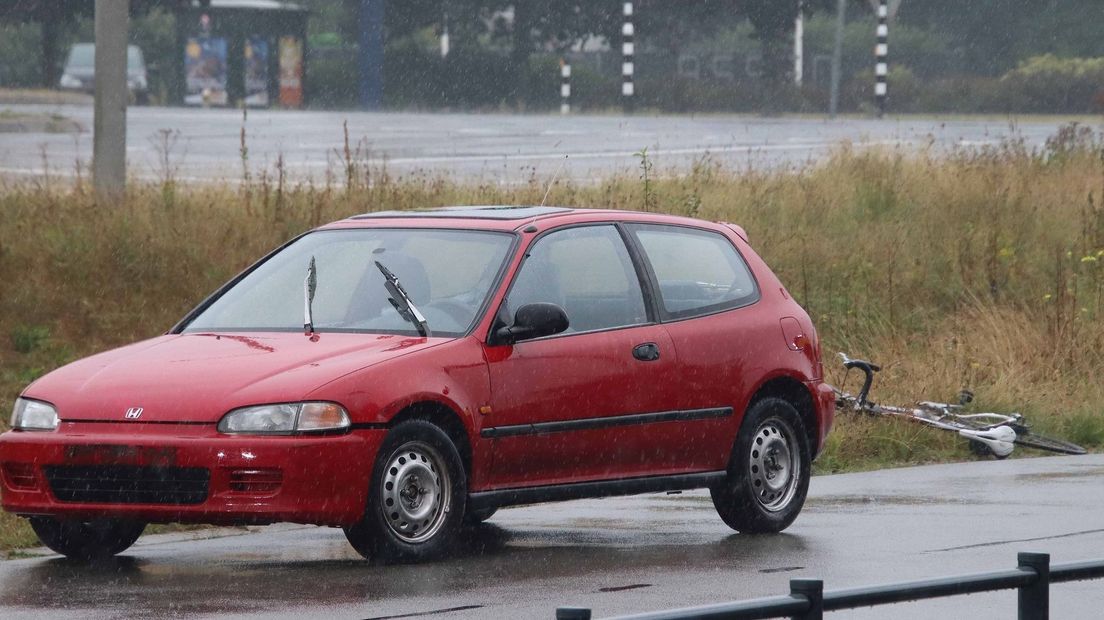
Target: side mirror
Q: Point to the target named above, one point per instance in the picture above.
(533, 321)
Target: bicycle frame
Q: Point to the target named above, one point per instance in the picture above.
(998, 434)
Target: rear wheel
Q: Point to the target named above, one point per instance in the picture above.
(768, 471)
(87, 540)
(416, 497)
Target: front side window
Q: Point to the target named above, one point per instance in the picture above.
(698, 271)
(447, 273)
(588, 272)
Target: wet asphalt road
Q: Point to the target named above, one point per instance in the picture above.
(496, 148)
(618, 555)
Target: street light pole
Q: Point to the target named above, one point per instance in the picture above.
(370, 52)
(837, 57)
(111, 94)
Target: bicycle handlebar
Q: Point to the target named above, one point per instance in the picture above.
(868, 369)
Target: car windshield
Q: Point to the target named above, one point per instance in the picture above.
(447, 274)
(83, 56)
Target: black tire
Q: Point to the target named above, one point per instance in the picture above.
(87, 540)
(416, 497)
(475, 517)
(747, 500)
(1025, 437)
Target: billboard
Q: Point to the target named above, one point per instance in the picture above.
(205, 71)
(291, 72)
(256, 72)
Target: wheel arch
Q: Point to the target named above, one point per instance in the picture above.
(444, 417)
(797, 394)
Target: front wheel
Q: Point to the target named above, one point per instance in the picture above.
(87, 540)
(416, 497)
(1027, 438)
(768, 471)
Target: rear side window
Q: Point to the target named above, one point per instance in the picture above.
(698, 271)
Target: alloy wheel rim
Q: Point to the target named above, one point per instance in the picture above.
(773, 465)
(415, 493)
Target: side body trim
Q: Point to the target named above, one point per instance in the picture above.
(584, 424)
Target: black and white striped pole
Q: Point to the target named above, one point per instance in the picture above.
(565, 87)
(881, 51)
(628, 50)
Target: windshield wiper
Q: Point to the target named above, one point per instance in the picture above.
(309, 285)
(401, 301)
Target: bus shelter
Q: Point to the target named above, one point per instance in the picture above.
(241, 52)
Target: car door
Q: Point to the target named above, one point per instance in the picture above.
(706, 297)
(584, 404)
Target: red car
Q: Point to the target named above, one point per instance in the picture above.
(402, 374)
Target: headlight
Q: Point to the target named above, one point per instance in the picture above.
(33, 415)
(285, 419)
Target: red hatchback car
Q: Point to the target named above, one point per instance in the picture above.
(402, 374)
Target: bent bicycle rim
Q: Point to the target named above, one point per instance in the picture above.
(1042, 442)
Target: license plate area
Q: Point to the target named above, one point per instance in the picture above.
(112, 454)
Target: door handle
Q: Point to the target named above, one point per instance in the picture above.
(647, 352)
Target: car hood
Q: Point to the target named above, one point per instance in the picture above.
(198, 377)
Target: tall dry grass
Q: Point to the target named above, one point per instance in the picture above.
(981, 268)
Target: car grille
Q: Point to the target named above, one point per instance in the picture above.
(124, 484)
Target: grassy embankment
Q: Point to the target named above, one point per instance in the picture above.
(982, 269)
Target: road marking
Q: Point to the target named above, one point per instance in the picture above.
(1015, 540)
(418, 614)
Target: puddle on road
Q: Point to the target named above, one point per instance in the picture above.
(691, 499)
(1088, 472)
(839, 501)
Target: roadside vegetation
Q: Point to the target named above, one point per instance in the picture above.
(981, 268)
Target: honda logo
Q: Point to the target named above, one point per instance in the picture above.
(133, 413)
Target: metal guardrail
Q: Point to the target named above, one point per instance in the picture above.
(807, 599)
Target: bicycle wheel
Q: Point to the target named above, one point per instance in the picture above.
(1025, 437)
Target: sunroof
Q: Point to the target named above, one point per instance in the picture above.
(485, 213)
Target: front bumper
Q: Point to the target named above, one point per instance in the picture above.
(320, 479)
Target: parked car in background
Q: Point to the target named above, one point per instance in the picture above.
(400, 374)
(80, 71)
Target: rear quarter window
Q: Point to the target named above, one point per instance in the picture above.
(697, 271)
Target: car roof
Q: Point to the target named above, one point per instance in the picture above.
(489, 212)
(509, 218)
